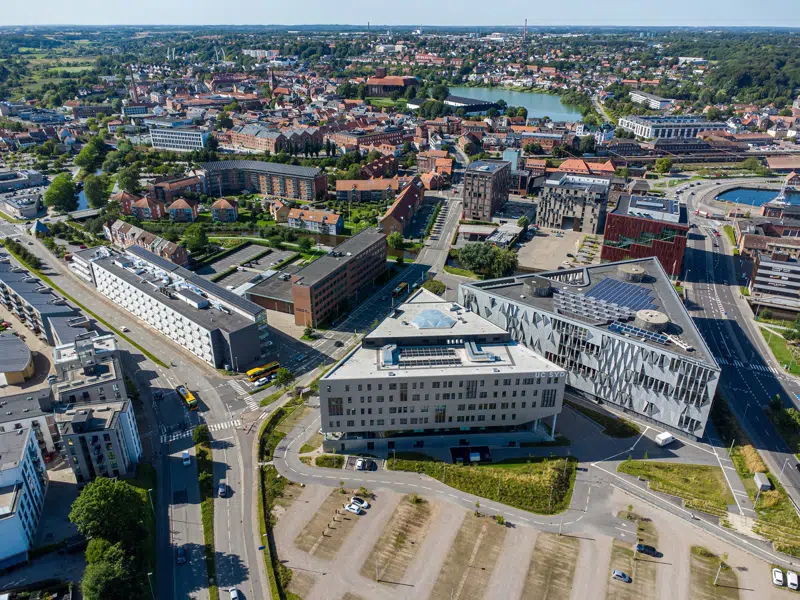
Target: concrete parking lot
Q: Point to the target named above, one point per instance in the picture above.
(547, 250)
(232, 260)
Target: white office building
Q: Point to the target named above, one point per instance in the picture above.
(178, 139)
(669, 127)
(211, 322)
(620, 331)
(23, 485)
(433, 370)
(649, 100)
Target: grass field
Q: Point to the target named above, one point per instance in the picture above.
(297, 415)
(703, 487)
(145, 480)
(612, 426)
(524, 483)
(330, 461)
(327, 530)
(643, 573)
(704, 567)
(312, 444)
(782, 350)
(399, 541)
(552, 568)
(471, 559)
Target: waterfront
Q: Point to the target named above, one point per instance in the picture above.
(752, 197)
(538, 104)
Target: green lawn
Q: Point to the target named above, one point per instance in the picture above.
(205, 469)
(703, 487)
(380, 102)
(460, 272)
(538, 485)
(612, 426)
(782, 351)
(146, 480)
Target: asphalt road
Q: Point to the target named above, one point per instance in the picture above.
(750, 377)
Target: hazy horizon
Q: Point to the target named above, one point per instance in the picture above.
(467, 13)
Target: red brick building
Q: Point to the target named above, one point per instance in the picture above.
(645, 226)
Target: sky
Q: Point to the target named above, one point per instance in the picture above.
(781, 13)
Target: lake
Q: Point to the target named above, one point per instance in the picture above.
(756, 197)
(537, 103)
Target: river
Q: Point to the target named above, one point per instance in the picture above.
(537, 103)
(753, 197)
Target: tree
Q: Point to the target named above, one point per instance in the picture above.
(196, 238)
(440, 92)
(128, 179)
(504, 262)
(523, 222)
(587, 144)
(308, 332)
(61, 193)
(110, 509)
(305, 244)
(284, 378)
(476, 257)
(437, 287)
(713, 114)
(395, 240)
(88, 156)
(201, 435)
(664, 165)
(96, 190)
(107, 579)
(224, 121)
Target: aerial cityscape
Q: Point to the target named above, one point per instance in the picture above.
(400, 311)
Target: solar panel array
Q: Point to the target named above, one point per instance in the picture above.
(625, 329)
(434, 356)
(633, 296)
(591, 308)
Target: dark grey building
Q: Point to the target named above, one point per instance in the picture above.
(574, 202)
(486, 185)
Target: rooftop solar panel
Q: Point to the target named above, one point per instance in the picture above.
(621, 293)
(651, 336)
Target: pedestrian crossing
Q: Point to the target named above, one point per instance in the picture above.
(252, 403)
(238, 388)
(740, 364)
(179, 435)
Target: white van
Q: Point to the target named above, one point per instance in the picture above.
(791, 580)
(186, 458)
(663, 439)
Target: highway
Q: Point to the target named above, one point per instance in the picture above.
(750, 377)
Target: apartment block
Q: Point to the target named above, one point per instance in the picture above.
(213, 323)
(668, 127)
(125, 235)
(271, 179)
(486, 185)
(619, 330)
(317, 221)
(179, 139)
(432, 371)
(574, 202)
(23, 486)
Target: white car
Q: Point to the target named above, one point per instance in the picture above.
(125, 330)
(359, 502)
(777, 577)
(262, 381)
(353, 509)
(361, 464)
(791, 580)
(234, 594)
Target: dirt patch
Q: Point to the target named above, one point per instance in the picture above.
(327, 530)
(645, 530)
(642, 571)
(399, 541)
(349, 596)
(470, 560)
(704, 565)
(552, 568)
(301, 583)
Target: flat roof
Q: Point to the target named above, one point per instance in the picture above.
(12, 446)
(14, 354)
(340, 255)
(487, 166)
(208, 318)
(655, 287)
(98, 416)
(653, 207)
(261, 167)
(25, 285)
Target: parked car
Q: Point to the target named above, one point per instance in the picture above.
(645, 549)
(777, 577)
(180, 555)
(791, 580)
(186, 458)
(82, 246)
(356, 510)
(361, 503)
(361, 464)
(234, 594)
(262, 381)
(620, 576)
(223, 489)
(125, 329)
(338, 343)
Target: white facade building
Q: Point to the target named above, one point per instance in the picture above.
(178, 139)
(649, 100)
(668, 127)
(433, 369)
(214, 324)
(23, 485)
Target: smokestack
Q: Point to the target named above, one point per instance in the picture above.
(525, 31)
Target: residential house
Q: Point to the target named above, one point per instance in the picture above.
(225, 210)
(146, 209)
(318, 221)
(125, 235)
(405, 206)
(182, 211)
(279, 211)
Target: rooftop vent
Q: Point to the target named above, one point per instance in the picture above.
(632, 273)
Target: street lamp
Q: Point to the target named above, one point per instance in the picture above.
(150, 495)
(150, 583)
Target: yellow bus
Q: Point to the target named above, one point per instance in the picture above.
(263, 371)
(400, 291)
(188, 397)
